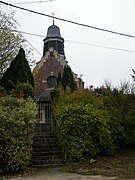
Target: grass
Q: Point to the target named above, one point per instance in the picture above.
(122, 165)
(132, 170)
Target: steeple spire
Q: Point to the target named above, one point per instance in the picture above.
(53, 17)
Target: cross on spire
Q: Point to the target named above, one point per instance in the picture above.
(53, 17)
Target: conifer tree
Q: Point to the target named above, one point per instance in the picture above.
(68, 78)
(18, 72)
(59, 79)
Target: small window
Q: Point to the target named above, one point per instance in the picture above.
(51, 81)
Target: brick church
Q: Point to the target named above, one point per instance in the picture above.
(52, 62)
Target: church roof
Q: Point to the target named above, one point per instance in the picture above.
(45, 96)
(53, 31)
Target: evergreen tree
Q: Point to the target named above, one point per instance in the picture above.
(68, 78)
(18, 72)
(59, 79)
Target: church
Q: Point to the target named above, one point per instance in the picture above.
(47, 69)
(46, 151)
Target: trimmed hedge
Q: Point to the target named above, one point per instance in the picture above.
(17, 123)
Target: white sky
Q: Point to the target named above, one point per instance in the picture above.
(96, 64)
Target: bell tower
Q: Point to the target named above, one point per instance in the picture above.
(54, 39)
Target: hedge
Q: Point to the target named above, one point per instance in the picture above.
(17, 123)
(84, 132)
(92, 123)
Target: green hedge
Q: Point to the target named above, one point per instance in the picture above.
(84, 132)
(92, 123)
(17, 122)
(120, 106)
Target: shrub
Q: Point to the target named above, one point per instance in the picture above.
(2, 91)
(17, 122)
(93, 122)
(114, 102)
(120, 103)
(25, 90)
(84, 132)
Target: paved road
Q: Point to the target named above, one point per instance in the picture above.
(56, 174)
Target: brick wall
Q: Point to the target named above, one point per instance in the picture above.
(50, 65)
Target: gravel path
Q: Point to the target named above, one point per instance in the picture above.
(56, 174)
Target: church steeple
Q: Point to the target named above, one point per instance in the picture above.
(54, 39)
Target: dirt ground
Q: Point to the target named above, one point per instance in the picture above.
(121, 165)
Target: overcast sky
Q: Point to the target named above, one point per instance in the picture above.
(96, 64)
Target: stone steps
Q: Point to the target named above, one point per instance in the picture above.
(44, 127)
(49, 153)
(45, 148)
